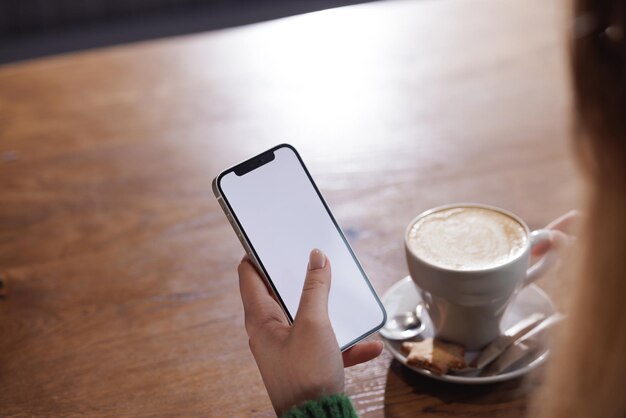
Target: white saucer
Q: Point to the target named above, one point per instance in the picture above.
(403, 296)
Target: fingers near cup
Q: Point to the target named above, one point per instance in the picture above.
(542, 238)
(566, 222)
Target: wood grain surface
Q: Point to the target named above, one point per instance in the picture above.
(121, 296)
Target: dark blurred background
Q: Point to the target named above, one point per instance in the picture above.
(35, 28)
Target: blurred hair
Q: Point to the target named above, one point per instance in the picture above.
(599, 77)
(587, 374)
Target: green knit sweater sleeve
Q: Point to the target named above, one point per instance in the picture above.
(332, 406)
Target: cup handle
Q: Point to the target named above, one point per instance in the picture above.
(546, 262)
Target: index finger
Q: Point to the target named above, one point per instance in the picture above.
(566, 222)
(259, 306)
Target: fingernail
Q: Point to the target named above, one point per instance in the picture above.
(317, 260)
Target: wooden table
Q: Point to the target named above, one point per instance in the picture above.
(122, 295)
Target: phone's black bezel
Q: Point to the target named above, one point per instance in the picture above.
(262, 159)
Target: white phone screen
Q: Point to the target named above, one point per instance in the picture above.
(282, 215)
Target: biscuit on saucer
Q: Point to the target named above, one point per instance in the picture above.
(434, 355)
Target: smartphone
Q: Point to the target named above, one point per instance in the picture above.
(279, 215)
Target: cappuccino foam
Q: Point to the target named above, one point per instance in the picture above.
(467, 238)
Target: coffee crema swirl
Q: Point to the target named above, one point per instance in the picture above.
(467, 238)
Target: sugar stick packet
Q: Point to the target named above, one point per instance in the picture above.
(526, 346)
(501, 343)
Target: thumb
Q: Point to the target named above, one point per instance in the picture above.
(314, 299)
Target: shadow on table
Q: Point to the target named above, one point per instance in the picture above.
(411, 394)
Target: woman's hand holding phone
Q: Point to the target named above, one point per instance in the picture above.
(302, 361)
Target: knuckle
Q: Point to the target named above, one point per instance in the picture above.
(252, 323)
(269, 322)
(260, 324)
(251, 328)
(248, 319)
(253, 344)
(256, 345)
(310, 322)
(240, 269)
(314, 281)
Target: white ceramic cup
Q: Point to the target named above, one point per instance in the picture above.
(466, 306)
